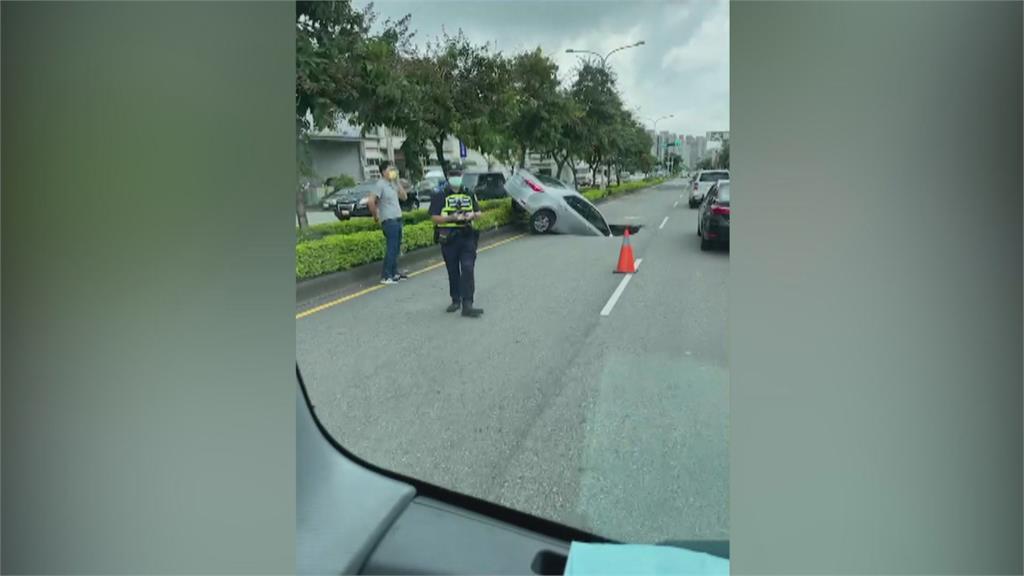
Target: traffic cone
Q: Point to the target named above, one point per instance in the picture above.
(627, 265)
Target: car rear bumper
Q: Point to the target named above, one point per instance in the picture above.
(717, 231)
(346, 211)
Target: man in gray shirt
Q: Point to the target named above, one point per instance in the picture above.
(385, 205)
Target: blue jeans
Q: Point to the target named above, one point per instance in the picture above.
(393, 234)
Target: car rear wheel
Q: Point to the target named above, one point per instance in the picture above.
(542, 221)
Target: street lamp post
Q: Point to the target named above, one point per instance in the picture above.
(659, 119)
(604, 59)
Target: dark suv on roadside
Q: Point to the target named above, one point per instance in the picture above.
(486, 185)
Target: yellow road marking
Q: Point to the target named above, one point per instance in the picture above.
(376, 287)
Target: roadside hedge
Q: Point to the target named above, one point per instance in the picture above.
(366, 224)
(597, 194)
(343, 251)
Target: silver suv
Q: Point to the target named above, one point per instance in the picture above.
(703, 182)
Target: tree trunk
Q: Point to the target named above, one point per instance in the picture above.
(300, 207)
(439, 150)
(522, 157)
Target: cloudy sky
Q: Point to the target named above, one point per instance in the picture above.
(683, 68)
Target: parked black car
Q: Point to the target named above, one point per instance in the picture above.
(486, 185)
(713, 216)
(352, 202)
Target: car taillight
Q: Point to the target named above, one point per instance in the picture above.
(533, 185)
(720, 210)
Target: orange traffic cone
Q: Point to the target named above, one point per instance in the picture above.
(627, 265)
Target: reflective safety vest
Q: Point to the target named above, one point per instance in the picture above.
(457, 203)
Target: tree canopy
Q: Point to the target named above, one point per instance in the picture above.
(504, 106)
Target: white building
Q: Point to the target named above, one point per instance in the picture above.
(345, 149)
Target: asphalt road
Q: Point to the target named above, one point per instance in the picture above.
(617, 424)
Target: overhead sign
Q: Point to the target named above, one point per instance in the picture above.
(463, 152)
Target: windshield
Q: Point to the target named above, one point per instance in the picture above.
(713, 176)
(470, 180)
(723, 193)
(589, 213)
(534, 357)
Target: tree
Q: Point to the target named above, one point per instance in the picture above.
(485, 126)
(563, 119)
(341, 68)
(594, 91)
(723, 156)
(453, 88)
(630, 149)
(532, 103)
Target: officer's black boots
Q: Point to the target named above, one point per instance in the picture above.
(469, 311)
(454, 306)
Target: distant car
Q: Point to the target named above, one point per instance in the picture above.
(353, 202)
(703, 182)
(555, 207)
(486, 185)
(713, 216)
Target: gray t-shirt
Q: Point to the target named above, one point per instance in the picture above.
(387, 200)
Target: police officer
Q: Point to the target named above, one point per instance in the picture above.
(453, 212)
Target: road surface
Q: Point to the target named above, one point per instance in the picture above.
(320, 217)
(616, 423)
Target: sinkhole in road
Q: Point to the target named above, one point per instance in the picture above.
(620, 229)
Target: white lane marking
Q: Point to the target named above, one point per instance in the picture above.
(675, 204)
(663, 223)
(619, 290)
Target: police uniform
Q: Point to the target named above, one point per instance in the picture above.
(458, 242)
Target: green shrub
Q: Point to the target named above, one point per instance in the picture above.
(343, 251)
(354, 225)
(496, 217)
(362, 224)
(343, 227)
(597, 194)
(594, 194)
(336, 252)
(486, 205)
